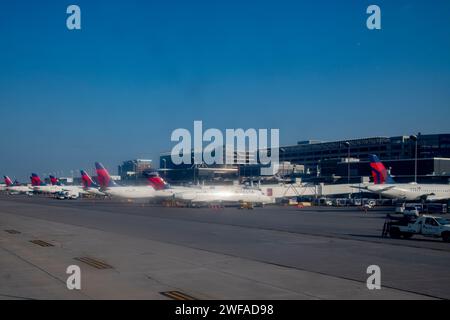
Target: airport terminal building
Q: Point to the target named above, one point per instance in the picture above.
(329, 161)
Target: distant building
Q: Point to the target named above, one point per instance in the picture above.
(196, 173)
(135, 169)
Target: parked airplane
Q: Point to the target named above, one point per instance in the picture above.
(16, 187)
(72, 191)
(39, 186)
(205, 195)
(55, 187)
(111, 188)
(89, 185)
(387, 187)
(160, 189)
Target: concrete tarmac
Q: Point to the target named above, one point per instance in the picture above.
(265, 253)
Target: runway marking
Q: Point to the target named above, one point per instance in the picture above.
(42, 243)
(12, 231)
(177, 295)
(94, 263)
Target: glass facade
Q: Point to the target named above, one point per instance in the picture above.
(326, 158)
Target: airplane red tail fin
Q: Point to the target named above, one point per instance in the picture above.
(36, 180)
(157, 182)
(54, 181)
(379, 172)
(86, 179)
(103, 176)
(8, 181)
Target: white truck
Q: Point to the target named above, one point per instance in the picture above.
(429, 226)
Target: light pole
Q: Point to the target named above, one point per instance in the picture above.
(347, 144)
(165, 166)
(283, 159)
(415, 139)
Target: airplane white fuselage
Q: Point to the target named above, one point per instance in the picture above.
(191, 194)
(76, 190)
(94, 191)
(131, 192)
(142, 192)
(47, 189)
(19, 189)
(412, 191)
(2, 187)
(231, 195)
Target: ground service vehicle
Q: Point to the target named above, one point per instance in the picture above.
(429, 226)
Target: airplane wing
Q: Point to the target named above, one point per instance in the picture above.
(378, 190)
(358, 187)
(386, 188)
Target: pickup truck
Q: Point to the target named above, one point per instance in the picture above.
(425, 225)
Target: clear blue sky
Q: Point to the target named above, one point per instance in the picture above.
(139, 69)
